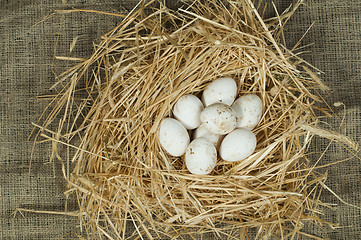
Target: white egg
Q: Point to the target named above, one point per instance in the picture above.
(223, 90)
(219, 118)
(173, 137)
(248, 109)
(187, 110)
(203, 132)
(201, 156)
(238, 145)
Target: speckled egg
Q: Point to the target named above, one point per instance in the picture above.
(238, 145)
(187, 110)
(219, 118)
(221, 90)
(203, 132)
(248, 109)
(173, 137)
(201, 156)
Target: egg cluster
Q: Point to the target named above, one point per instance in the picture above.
(220, 123)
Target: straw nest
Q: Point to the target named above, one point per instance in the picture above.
(124, 180)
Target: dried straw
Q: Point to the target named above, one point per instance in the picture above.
(123, 178)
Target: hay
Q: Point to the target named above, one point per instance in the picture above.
(123, 178)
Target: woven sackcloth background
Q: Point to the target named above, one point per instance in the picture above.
(31, 34)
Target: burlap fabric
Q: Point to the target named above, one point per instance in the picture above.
(29, 31)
